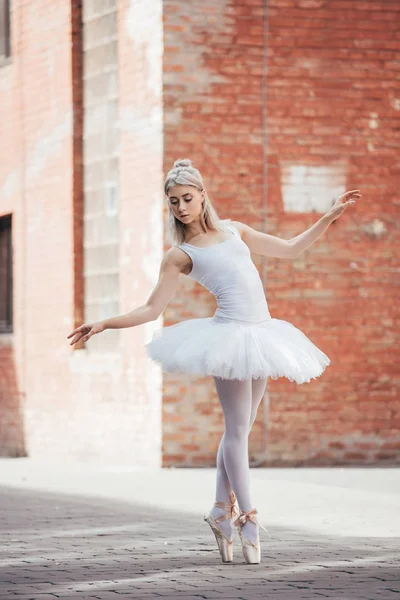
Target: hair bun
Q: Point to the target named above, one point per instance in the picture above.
(182, 162)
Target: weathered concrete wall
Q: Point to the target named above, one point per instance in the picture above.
(101, 402)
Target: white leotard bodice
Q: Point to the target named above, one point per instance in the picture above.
(227, 271)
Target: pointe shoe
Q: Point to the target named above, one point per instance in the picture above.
(225, 545)
(251, 551)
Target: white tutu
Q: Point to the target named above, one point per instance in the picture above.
(231, 350)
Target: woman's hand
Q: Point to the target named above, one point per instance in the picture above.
(86, 331)
(342, 203)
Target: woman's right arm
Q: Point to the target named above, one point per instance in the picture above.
(168, 279)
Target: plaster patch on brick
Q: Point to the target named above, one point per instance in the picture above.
(308, 188)
(373, 120)
(305, 62)
(173, 116)
(11, 184)
(140, 19)
(375, 229)
(395, 102)
(210, 27)
(367, 443)
(311, 3)
(48, 146)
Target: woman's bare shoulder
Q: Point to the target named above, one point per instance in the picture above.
(239, 226)
(179, 258)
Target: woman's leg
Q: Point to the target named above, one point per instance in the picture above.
(223, 490)
(236, 399)
(223, 487)
(257, 391)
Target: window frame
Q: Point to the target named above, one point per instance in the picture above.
(5, 31)
(7, 325)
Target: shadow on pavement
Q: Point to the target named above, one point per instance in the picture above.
(58, 545)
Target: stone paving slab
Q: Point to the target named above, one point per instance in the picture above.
(87, 531)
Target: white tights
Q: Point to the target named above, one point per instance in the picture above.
(239, 401)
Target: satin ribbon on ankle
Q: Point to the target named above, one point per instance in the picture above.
(248, 516)
(230, 507)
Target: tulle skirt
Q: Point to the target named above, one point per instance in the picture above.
(233, 350)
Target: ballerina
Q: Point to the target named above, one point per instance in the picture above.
(240, 346)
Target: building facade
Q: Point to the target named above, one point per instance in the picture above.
(282, 104)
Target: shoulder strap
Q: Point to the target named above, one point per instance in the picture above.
(190, 250)
(234, 229)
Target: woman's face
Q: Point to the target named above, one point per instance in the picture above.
(185, 202)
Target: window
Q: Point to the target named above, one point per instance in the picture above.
(5, 275)
(5, 49)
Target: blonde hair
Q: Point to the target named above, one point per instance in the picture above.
(182, 173)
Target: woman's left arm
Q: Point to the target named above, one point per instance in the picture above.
(304, 240)
(270, 245)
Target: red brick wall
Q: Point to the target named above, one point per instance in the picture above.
(328, 96)
(11, 401)
(212, 114)
(332, 97)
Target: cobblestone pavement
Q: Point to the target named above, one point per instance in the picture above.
(73, 531)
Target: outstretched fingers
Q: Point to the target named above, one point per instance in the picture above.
(77, 334)
(351, 195)
(76, 339)
(77, 330)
